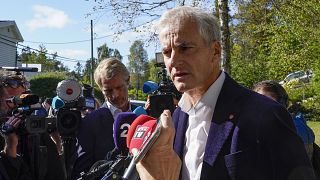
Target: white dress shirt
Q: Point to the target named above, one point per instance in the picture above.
(114, 110)
(200, 117)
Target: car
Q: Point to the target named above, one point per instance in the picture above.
(138, 102)
(299, 76)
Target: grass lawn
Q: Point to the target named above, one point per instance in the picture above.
(315, 126)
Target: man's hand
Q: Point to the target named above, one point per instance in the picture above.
(161, 162)
(11, 138)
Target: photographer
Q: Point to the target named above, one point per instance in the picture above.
(12, 165)
(15, 161)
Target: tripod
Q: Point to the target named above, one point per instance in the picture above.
(69, 149)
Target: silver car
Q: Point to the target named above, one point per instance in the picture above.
(300, 76)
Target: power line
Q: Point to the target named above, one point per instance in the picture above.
(86, 40)
(54, 55)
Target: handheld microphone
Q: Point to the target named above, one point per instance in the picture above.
(120, 128)
(57, 103)
(24, 99)
(149, 87)
(137, 122)
(140, 110)
(143, 138)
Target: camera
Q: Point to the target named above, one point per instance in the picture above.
(71, 99)
(25, 105)
(162, 96)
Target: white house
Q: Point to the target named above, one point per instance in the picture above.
(9, 37)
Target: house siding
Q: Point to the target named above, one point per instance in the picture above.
(8, 49)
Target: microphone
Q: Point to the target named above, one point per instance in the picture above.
(121, 126)
(149, 87)
(140, 110)
(24, 99)
(137, 122)
(57, 103)
(143, 138)
(113, 168)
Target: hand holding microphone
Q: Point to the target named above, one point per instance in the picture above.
(160, 161)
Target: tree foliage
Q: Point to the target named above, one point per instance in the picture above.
(48, 64)
(276, 37)
(138, 64)
(103, 52)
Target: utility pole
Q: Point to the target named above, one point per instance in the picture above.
(92, 61)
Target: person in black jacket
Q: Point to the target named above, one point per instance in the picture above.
(17, 162)
(95, 134)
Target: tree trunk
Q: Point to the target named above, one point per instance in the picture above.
(225, 35)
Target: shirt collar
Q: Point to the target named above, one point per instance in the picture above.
(208, 99)
(114, 110)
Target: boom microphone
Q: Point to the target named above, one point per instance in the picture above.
(120, 128)
(149, 87)
(24, 99)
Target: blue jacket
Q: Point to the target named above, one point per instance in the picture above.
(303, 130)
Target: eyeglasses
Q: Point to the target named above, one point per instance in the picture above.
(14, 83)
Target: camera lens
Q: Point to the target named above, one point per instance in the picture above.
(68, 121)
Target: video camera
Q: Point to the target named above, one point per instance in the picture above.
(71, 99)
(162, 94)
(24, 105)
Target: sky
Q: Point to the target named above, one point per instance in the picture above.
(63, 27)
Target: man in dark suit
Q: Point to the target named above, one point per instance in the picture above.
(95, 136)
(220, 130)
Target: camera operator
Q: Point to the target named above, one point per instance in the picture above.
(13, 164)
(95, 135)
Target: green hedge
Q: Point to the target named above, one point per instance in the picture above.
(44, 85)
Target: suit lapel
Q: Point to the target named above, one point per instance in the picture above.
(181, 124)
(223, 120)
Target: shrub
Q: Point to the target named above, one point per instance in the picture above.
(45, 84)
(306, 94)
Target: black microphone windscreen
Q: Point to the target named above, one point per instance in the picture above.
(26, 99)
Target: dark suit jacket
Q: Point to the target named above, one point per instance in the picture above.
(251, 138)
(95, 140)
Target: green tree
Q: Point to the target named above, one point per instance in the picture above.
(48, 61)
(86, 77)
(153, 71)
(105, 52)
(138, 65)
